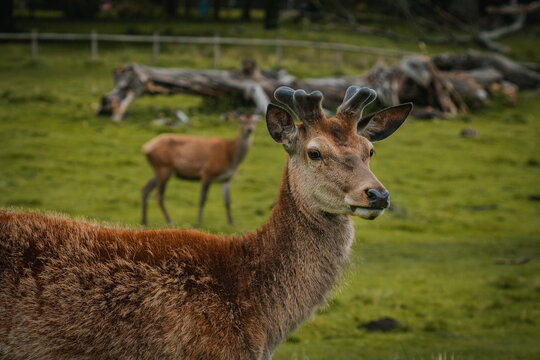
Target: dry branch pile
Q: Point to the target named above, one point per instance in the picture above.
(439, 86)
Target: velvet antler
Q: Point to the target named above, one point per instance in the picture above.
(306, 107)
(356, 99)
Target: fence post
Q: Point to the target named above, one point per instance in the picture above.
(34, 45)
(339, 60)
(155, 47)
(93, 46)
(279, 52)
(216, 51)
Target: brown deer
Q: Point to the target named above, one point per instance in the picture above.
(194, 158)
(70, 290)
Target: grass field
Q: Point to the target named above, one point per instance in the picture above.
(442, 262)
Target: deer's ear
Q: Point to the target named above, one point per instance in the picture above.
(281, 126)
(382, 124)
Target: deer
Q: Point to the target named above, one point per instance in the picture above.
(194, 158)
(74, 290)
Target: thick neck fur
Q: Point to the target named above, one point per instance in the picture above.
(241, 147)
(165, 294)
(301, 254)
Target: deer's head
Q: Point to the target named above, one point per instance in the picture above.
(247, 121)
(329, 157)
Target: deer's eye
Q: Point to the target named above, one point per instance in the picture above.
(371, 152)
(314, 155)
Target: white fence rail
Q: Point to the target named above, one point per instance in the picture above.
(216, 41)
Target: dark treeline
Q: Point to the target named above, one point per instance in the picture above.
(418, 13)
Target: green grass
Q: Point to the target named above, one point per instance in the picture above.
(461, 206)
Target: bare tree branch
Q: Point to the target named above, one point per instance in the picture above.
(514, 9)
(485, 38)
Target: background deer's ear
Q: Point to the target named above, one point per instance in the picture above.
(382, 124)
(281, 126)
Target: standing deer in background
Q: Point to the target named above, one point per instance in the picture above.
(69, 290)
(194, 158)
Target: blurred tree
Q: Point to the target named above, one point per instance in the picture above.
(171, 7)
(187, 9)
(246, 10)
(203, 7)
(32, 5)
(80, 9)
(217, 9)
(468, 10)
(6, 15)
(271, 17)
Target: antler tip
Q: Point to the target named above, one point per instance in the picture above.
(307, 107)
(356, 99)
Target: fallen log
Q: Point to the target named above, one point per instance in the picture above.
(133, 80)
(485, 76)
(470, 90)
(441, 86)
(512, 71)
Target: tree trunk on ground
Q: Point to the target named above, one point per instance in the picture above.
(511, 70)
(439, 87)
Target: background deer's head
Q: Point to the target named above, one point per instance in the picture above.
(246, 119)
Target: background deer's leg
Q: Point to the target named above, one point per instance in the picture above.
(162, 178)
(147, 189)
(204, 191)
(225, 186)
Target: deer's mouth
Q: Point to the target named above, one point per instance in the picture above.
(368, 213)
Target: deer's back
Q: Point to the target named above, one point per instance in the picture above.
(69, 289)
(189, 157)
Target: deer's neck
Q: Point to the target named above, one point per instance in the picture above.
(240, 149)
(301, 255)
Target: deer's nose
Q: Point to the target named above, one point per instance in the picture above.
(376, 199)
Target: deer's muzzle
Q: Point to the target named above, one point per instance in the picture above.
(377, 200)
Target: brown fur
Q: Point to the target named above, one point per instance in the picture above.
(194, 158)
(69, 290)
(75, 291)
